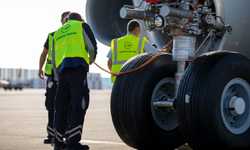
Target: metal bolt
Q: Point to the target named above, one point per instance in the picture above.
(209, 18)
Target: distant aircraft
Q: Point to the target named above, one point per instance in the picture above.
(8, 85)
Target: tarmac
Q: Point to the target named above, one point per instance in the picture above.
(23, 120)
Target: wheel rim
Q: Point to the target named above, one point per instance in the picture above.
(236, 118)
(166, 119)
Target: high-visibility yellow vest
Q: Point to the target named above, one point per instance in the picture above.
(48, 66)
(69, 43)
(123, 49)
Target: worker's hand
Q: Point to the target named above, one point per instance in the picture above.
(90, 63)
(167, 49)
(163, 51)
(40, 74)
(154, 45)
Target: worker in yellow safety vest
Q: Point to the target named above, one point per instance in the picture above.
(51, 82)
(126, 47)
(74, 48)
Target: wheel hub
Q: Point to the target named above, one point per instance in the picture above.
(237, 106)
(163, 115)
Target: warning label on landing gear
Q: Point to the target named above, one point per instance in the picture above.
(187, 98)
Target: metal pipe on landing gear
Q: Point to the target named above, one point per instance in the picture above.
(127, 13)
(183, 52)
(168, 104)
(178, 75)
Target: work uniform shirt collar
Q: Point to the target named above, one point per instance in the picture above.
(131, 34)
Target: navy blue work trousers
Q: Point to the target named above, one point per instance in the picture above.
(49, 103)
(72, 89)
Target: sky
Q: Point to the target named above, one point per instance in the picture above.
(25, 25)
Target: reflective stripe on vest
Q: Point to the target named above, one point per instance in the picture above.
(48, 67)
(69, 42)
(117, 63)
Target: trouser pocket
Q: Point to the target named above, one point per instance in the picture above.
(84, 101)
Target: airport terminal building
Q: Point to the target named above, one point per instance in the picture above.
(29, 78)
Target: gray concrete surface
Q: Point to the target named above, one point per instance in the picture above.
(23, 120)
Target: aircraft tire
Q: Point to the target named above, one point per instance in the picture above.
(131, 103)
(209, 88)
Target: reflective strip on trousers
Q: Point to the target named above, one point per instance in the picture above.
(58, 136)
(50, 131)
(75, 131)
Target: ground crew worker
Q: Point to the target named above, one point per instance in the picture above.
(51, 82)
(124, 48)
(70, 48)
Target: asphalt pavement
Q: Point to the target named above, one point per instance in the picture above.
(23, 120)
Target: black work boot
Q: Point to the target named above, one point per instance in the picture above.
(49, 140)
(63, 147)
(57, 148)
(79, 147)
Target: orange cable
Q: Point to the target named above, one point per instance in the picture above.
(117, 74)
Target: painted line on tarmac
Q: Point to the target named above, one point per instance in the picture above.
(102, 142)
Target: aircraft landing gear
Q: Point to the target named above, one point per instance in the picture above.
(213, 102)
(138, 123)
